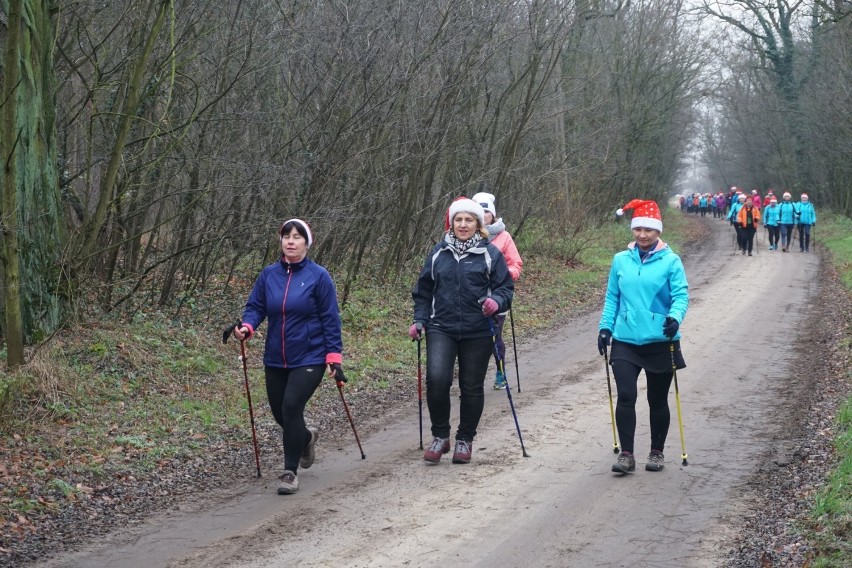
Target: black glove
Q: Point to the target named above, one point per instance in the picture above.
(603, 340)
(670, 327)
(338, 372)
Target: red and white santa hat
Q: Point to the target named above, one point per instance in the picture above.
(464, 205)
(646, 214)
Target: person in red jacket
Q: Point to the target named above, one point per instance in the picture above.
(500, 238)
(303, 339)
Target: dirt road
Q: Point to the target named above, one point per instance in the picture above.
(559, 507)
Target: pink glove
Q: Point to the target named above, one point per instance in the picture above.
(489, 307)
(414, 331)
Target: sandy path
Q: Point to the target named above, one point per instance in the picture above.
(559, 507)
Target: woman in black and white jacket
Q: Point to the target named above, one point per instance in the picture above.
(464, 283)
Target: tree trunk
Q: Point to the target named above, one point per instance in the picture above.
(32, 231)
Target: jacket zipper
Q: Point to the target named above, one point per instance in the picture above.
(284, 314)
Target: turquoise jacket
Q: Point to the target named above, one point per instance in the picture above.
(787, 213)
(771, 214)
(640, 295)
(807, 213)
(735, 208)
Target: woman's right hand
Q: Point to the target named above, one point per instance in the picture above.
(241, 332)
(415, 330)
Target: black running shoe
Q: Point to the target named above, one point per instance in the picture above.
(625, 463)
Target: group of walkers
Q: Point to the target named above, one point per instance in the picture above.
(783, 220)
(461, 298)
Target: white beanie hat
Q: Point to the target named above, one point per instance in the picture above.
(486, 200)
(466, 205)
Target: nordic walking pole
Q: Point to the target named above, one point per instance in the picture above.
(508, 388)
(615, 447)
(515, 348)
(225, 336)
(683, 454)
(349, 416)
(420, 383)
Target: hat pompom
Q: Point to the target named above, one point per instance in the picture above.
(619, 211)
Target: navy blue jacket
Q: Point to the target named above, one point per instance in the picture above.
(300, 302)
(448, 292)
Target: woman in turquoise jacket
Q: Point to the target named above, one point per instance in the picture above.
(806, 215)
(787, 214)
(646, 301)
(771, 220)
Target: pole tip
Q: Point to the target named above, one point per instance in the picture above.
(526, 455)
(684, 459)
(615, 450)
(363, 456)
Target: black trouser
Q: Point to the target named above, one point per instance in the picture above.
(626, 377)
(289, 391)
(774, 234)
(441, 354)
(804, 237)
(786, 235)
(739, 231)
(746, 238)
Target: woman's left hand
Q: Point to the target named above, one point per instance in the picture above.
(670, 327)
(489, 307)
(335, 371)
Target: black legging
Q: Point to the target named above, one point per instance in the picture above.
(774, 234)
(441, 355)
(747, 238)
(289, 390)
(626, 377)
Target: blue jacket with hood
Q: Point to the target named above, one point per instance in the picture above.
(448, 292)
(641, 294)
(300, 302)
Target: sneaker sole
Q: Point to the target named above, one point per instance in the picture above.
(460, 461)
(286, 491)
(499, 387)
(617, 469)
(652, 467)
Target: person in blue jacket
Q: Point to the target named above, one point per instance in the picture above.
(303, 339)
(771, 222)
(787, 215)
(738, 204)
(464, 284)
(807, 218)
(646, 301)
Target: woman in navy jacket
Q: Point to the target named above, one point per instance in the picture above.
(646, 301)
(464, 283)
(298, 298)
